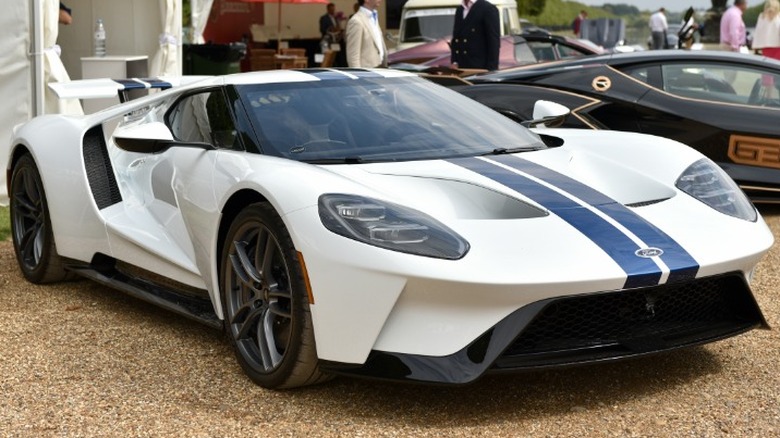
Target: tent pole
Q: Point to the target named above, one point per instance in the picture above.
(279, 28)
(36, 53)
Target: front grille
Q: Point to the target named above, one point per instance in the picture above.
(625, 323)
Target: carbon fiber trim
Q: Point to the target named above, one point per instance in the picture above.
(98, 169)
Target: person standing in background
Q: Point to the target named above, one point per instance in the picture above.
(658, 28)
(365, 43)
(329, 23)
(576, 25)
(66, 16)
(476, 36)
(767, 35)
(732, 27)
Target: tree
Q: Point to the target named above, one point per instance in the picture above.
(528, 8)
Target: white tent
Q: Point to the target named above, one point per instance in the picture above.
(135, 27)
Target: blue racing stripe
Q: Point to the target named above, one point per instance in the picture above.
(157, 83)
(130, 84)
(681, 264)
(640, 271)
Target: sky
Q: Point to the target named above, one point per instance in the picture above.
(670, 5)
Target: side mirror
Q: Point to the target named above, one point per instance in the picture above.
(549, 114)
(150, 138)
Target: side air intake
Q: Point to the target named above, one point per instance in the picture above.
(100, 174)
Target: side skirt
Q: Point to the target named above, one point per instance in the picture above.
(181, 299)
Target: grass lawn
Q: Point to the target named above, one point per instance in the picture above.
(5, 224)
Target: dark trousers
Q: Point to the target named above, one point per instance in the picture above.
(659, 40)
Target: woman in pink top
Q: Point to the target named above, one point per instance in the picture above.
(767, 35)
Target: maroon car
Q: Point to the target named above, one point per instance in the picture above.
(528, 48)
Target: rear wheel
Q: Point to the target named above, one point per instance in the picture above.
(265, 302)
(31, 225)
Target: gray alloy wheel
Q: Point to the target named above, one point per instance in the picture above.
(31, 226)
(265, 302)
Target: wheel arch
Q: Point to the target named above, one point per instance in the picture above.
(232, 207)
(19, 150)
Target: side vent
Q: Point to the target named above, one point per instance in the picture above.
(100, 174)
(646, 203)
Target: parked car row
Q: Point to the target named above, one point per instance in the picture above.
(722, 104)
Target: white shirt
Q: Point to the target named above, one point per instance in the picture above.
(658, 22)
(767, 33)
(467, 4)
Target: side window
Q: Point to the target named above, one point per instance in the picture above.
(524, 54)
(640, 73)
(722, 83)
(204, 118)
(568, 52)
(543, 51)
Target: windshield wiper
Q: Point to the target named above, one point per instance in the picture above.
(345, 160)
(504, 151)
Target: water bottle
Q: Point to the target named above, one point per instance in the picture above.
(100, 38)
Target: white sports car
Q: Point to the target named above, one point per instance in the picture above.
(372, 223)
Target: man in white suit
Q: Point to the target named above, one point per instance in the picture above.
(365, 43)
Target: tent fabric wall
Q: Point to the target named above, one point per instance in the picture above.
(15, 78)
(167, 60)
(53, 69)
(201, 9)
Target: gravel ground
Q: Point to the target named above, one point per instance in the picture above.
(78, 359)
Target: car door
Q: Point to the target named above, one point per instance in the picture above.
(615, 92)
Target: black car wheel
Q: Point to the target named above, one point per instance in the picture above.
(265, 302)
(31, 226)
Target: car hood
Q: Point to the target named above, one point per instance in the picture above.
(500, 186)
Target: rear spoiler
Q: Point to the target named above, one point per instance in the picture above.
(103, 88)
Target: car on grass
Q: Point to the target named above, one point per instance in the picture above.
(723, 104)
(348, 222)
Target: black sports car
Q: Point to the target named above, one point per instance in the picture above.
(725, 105)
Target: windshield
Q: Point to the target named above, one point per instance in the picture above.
(376, 119)
(423, 25)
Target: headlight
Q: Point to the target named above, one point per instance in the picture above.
(708, 183)
(390, 226)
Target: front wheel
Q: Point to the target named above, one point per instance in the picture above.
(31, 228)
(265, 302)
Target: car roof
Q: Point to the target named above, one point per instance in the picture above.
(630, 58)
(304, 75)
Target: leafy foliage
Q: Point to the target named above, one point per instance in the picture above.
(621, 9)
(528, 8)
(750, 16)
(559, 14)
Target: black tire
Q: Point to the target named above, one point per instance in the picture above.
(265, 302)
(31, 226)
